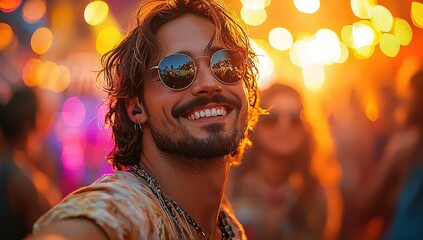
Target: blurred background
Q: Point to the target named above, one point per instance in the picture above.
(350, 60)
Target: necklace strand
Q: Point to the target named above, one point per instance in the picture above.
(170, 206)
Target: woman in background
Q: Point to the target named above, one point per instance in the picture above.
(274, 194)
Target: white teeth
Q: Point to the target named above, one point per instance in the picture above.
(208, 113)
(214, 112)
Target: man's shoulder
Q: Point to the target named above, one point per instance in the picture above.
(116, 202)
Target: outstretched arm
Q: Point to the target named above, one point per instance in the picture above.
(72, 228)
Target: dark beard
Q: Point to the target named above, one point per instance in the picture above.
(194, 151)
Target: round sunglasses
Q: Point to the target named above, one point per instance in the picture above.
(178, 71)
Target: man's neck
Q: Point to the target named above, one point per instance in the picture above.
(199, 193)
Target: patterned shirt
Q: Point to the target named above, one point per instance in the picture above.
(124, 207)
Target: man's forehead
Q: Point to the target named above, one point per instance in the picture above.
(187, 33)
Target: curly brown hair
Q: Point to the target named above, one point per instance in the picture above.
(129, 63)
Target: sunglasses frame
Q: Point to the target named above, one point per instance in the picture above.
(196, 69)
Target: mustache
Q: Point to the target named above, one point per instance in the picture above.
(203, 100)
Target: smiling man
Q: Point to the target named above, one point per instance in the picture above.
(182, 95)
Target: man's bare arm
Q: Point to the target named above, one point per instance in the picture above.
(73, 228)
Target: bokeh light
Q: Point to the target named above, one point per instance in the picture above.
(364, 52)
(362, 35)
(389, 45)
(73, 159)
(73, 111)
(372, 112)
(327, 44)
(381, 18)
(417, 14)
(51, 76)
(402, 30)
(33, 10)
(361, 8)
(307, 6)
(347, 36)
(255, 4)
(280, 38)
(322, 48)
(29, 74)
(6, 34)
(8, 6)
(344, 53)
(314, 76)
(96, 12)
(41, 40)
(253, 17)
(107, 39)
(266, 65)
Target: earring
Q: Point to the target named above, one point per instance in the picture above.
(137, 126)
(137, 110)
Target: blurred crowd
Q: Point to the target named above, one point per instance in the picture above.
(278, 192)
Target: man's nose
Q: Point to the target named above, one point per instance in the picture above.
(205, 82)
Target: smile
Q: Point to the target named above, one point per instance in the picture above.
(205, 113)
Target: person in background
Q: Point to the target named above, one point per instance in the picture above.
(395, 191)
(20, 202)
(176, 132)
(273, 192)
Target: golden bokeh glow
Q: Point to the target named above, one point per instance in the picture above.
(29, 74)
(96, 12)
(307, 6)
(253, 17)
(364, 52)
(52, 76)
(6, 34)
(372, 112)
(107, 39)
(41, 40)
(314, 76)
(280, 38)
(255, 4)
(33, 11)
(417, 14)
(362, 35)
(389, 45)
(361, 8)
(346, 36)
(265, 65)
(327, 46)
(402, 30)
(344, 53)
(381, 18)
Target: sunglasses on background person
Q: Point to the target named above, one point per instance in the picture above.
(178, 71)
(274, 116)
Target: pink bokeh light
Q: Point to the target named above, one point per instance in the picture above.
(73, 111)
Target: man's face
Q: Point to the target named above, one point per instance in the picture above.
(173, 114)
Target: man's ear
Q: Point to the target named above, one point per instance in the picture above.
(135, 110)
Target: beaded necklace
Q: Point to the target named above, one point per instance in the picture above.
(171, 208)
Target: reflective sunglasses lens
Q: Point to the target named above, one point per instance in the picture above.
(228, 66)
(177, 71)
